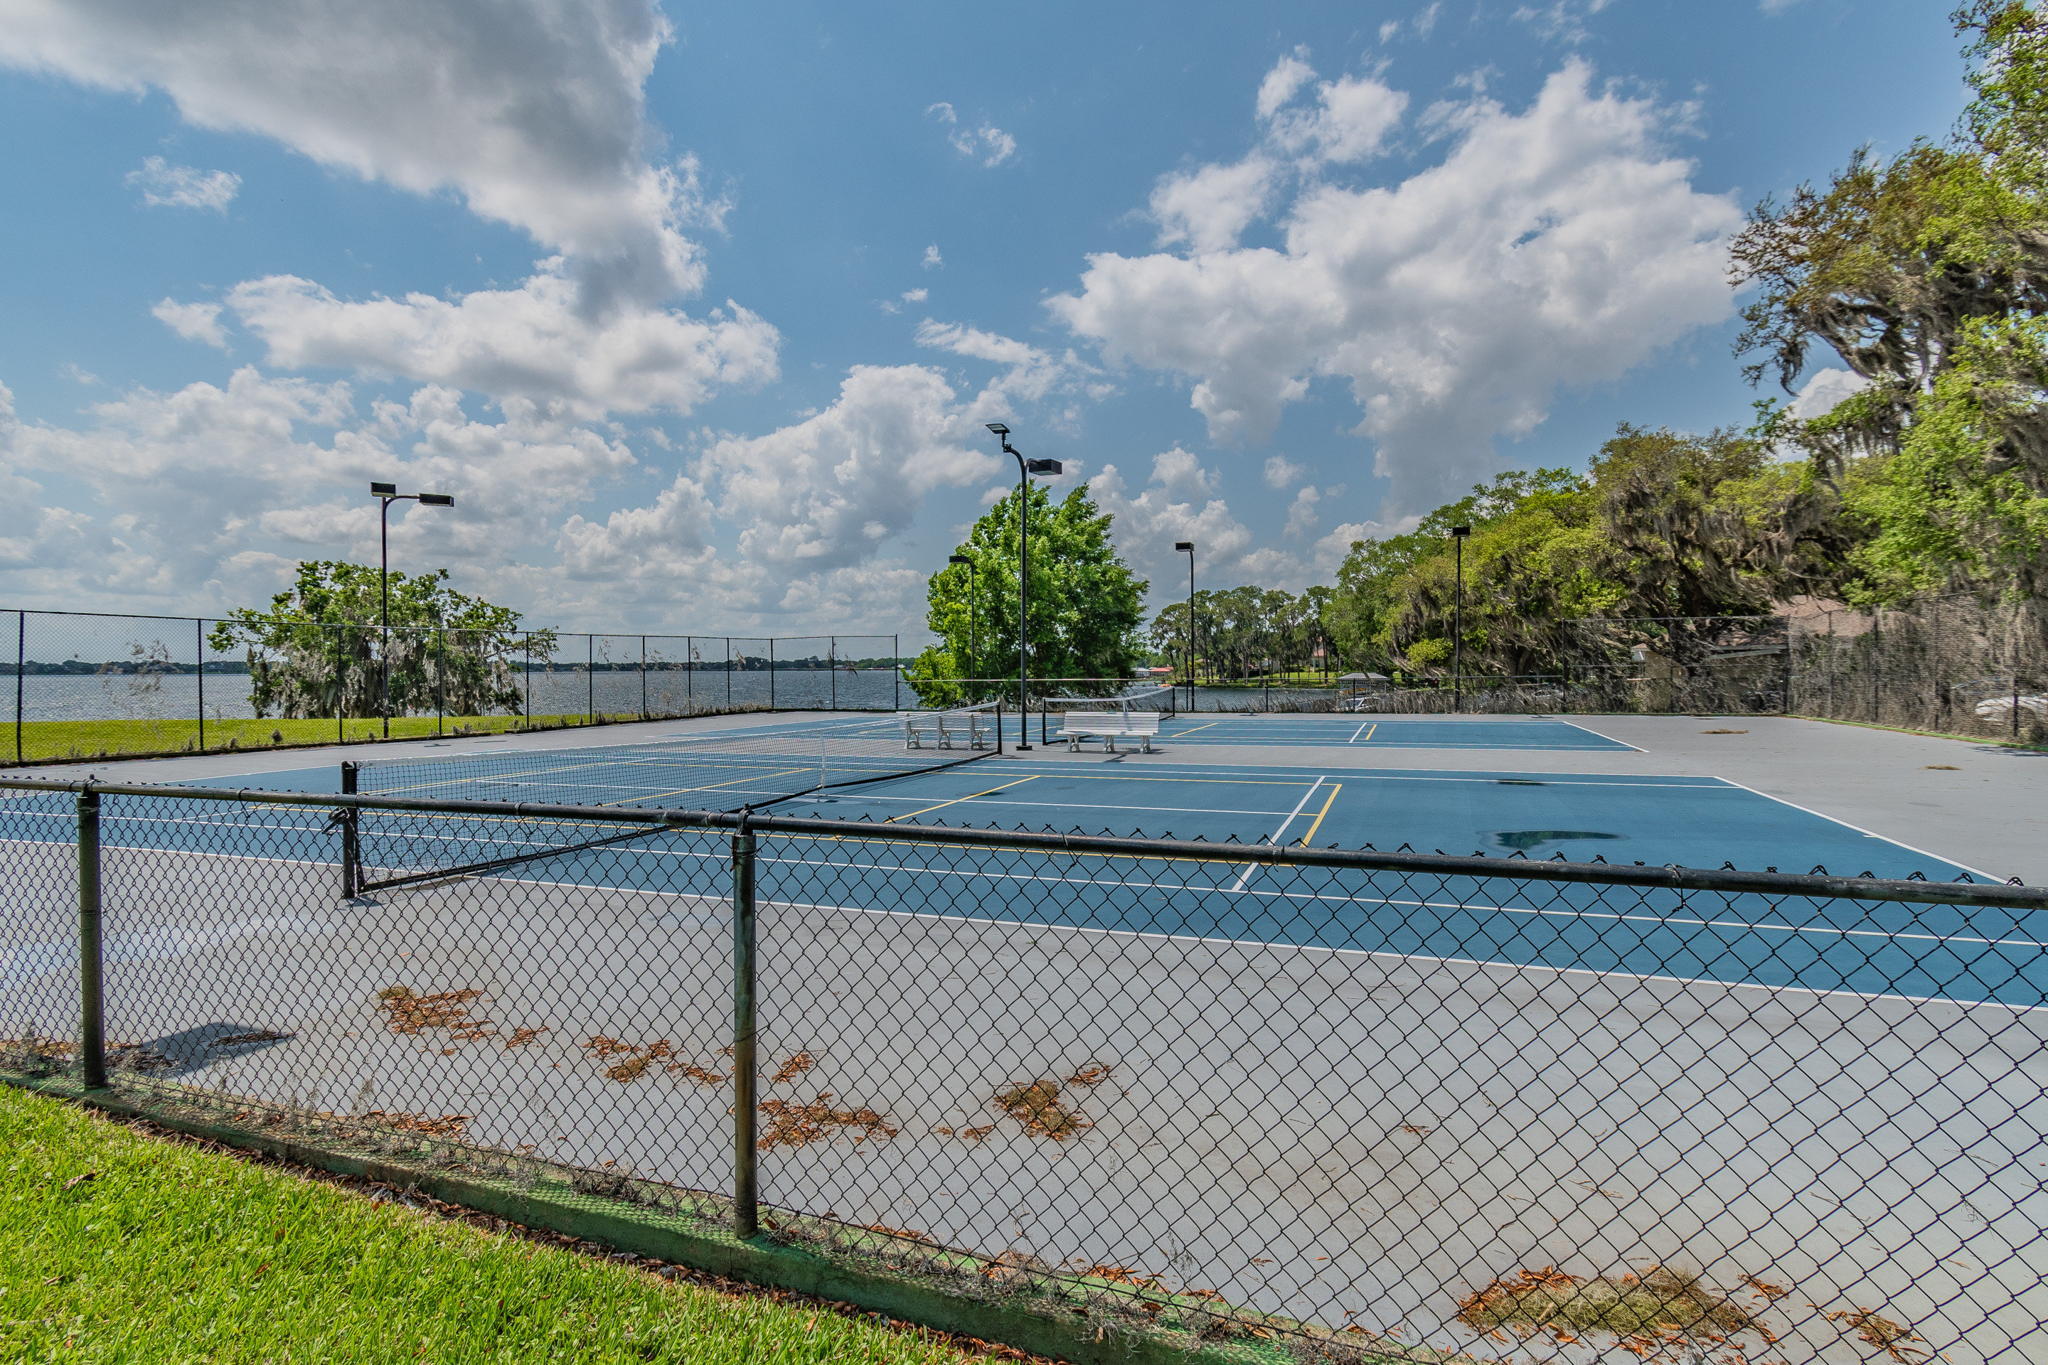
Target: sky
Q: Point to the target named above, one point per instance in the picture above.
(699, 313)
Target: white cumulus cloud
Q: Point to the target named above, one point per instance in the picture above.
(1551, 246)
(531, 110)
(532, 342)
(192, 321)
(184, 187)
(1823, 389)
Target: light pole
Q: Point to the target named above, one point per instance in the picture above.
(973, 631)
(1458, 534)
(386, 494)
(1188, 547)
(1024, 468)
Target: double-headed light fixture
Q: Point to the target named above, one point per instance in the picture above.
(1459, 534)
(386, 494)
(1025, 468)
(1187, 547)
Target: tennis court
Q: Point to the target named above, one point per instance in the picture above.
(1508, 813)
(1335, 1090)
(1534, 733)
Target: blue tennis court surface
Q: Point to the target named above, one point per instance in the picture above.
(1536, 733)
(1866, 947)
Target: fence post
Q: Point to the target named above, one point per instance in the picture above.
(896, 671)
(526, 683)
(199, 647)
(92, 1016)
(440, 662)
(689, 675)
(351, 837)
(832, 665)
(643, 678)
(771, 673)
(728, 672)
(746, 1185)
(20, 672)
(590, 680)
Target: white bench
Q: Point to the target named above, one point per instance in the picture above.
(946, 729)
(1109, 727)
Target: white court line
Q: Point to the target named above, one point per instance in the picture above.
(1538, 912)
(1063, 805)
(1405, 959)
(1868, 834)
(1596, 734)
(1245, 876)
(1677, 781)
(1363, 726)
(1574, 914)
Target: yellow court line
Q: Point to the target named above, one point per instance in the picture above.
(1335, 787)
(957, 800)
(1178, 733)
(1369, 733)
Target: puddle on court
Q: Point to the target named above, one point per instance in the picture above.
(1522, 840)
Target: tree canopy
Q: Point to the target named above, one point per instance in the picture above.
(1927, 276)
(317, 650)
(1085, 606)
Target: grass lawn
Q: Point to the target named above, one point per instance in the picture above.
(79, 739)
(116, 1245)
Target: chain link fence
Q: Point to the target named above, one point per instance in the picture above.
(84, 686)
(1949, 664)
(1342, 1106)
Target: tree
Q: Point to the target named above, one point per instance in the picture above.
(1927, 275)
(314, 651)
(1085, 607)
(1377, 577)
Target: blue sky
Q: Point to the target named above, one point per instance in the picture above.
(699, 313)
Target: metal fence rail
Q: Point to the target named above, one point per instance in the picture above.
(1375, 1105)
(86, 685)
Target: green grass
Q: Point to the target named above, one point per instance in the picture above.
(46, 740)
(119, 1246)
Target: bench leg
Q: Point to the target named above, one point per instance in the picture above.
(1148, 743)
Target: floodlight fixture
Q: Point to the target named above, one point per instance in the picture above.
(1025, 468)
(1458, 535)
(1187, 547)
(386, 494)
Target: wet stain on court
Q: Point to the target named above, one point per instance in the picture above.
(1522, 840)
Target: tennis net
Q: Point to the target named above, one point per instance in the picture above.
(728, 770)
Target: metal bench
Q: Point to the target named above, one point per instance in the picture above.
(1109, 727)
(946, 729)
